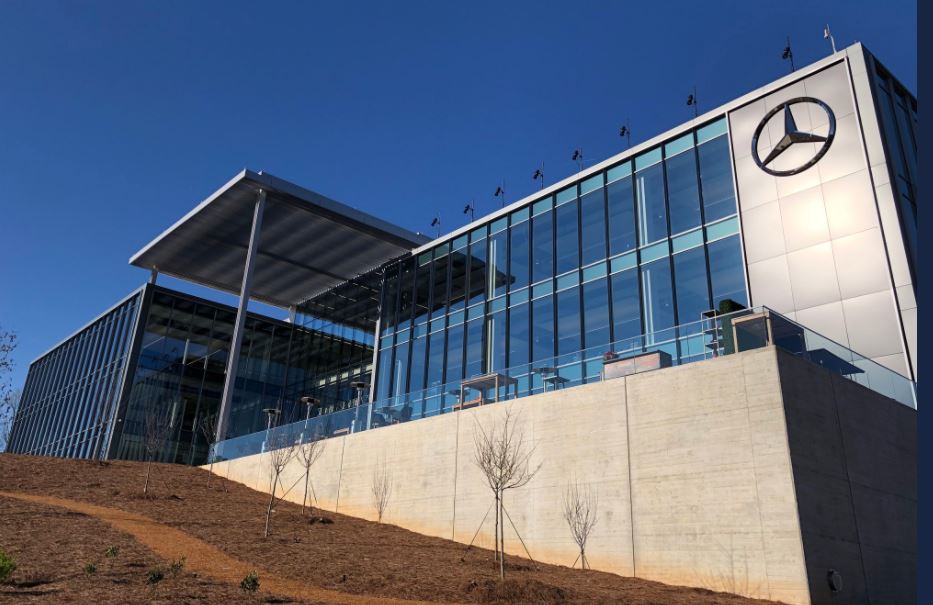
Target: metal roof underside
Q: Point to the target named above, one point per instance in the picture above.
(308, 243)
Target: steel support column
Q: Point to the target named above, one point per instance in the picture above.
(233, 359)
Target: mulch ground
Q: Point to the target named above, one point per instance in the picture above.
(53, 545)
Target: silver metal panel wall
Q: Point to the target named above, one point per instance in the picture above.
(816, 245)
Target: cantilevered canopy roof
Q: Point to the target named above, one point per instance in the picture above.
(308, 243)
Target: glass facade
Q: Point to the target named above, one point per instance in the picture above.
(72, 392)
(897, 110)
(643, 246)
(178, 360)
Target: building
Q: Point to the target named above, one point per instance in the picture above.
(799, 196)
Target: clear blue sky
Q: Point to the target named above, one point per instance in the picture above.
(117, 117)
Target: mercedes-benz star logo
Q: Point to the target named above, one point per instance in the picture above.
(792, 136)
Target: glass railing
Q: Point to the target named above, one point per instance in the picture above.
(714, 336)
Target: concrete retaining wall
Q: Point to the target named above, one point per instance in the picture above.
(693, 466)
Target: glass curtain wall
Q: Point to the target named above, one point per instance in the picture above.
(639, 248)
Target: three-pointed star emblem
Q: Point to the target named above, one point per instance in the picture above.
(792, 136)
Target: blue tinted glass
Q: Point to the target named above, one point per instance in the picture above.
(596, 313)
(678, 145)
(621, 216)
(722, 229)
(518, 297)
(474, 348)
(568, 321)
(594, 271)
(626, 305)
(518, 256)
(518, 335)
(384, 377)
(654, 252)
(499, 225)
(591, 184)
(542, 206)
(519, 216)
(566, 281)
(454, 353)
(543, 317)
(687, 240)
(495, 343)
(716, 179)
(711, 130)
(498, 264)
(477, 271)
(657, 295)
(726, 272)
(593, 226)
(436, 359)
(648, 158)
(543, 247)
(419, 348)
(458, 276)
(542, 289)
(461, 242)
(690, 285)
(568, 239)
(683, 193)
(400, 369)
(566, 195)
(649, 194)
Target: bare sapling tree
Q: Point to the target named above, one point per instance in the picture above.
(504, 457)
(382, 489)
(9, 399)
(307, 454)
(281, 451)
(207, 426)
(159, 425)
(580, 512)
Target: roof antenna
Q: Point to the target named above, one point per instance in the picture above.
(788, 54)
(828, 35)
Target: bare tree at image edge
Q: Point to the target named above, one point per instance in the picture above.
(9, 398)
(281, 451)
(504, 458)
(382, 489)
(580, 511)
(159, 424)
(307, 454)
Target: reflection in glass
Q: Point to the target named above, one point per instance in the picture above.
(626, 305)
(596, 313)
(474, 348)
(593, 226)
(543, 249)
(621, 216)
(726, 271)
(658, 296)
(683, 193)
(568, 238)
(716, 179)
(568, 321)
(649, 194)
(518, 255)
(518, 335)
(498, 264)
(542, 311)
(691, 285)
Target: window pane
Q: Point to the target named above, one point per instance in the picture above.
(518, 335)
(384, 379)
(716, 179)
(626, 305)
(543, 253)
(419, 348)
(568, 321)
(690, 285)
(683, 193)
(400, 371)
(422, 293)
(543, 315)
(405, 302)
(454, 353)
(518, 256)
(498, 263)
(391, 298)
(568, 252)
(477, 271)
(593, 226)
(621, 216)
(649, 190)
(658, 295)
(474, 350)
(436, 359)
(596, 313)
(439, 289)
(458, 272)
(726, 272)
(495, 341)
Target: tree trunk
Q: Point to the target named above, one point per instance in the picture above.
(501, 541)
(496, 535)
(269, 508)
(305, 499)
(148, 470)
